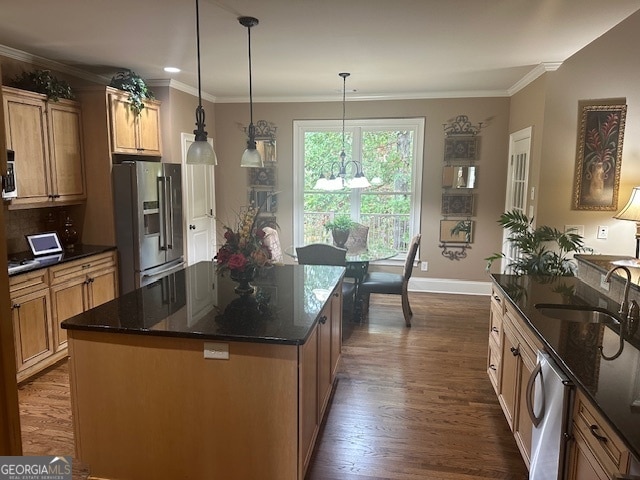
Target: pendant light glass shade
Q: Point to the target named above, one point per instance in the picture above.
(200, 152)
(251, 156)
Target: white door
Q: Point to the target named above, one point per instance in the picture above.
(517, 185)
(200, 207)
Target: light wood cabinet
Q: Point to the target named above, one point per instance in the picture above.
(32, 324)
(43, 299)
(47, 139)
(134, 134)
(319, 363)
(596, 451)
(513, 355)
(78, 286)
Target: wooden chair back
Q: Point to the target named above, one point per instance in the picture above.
(411, 256)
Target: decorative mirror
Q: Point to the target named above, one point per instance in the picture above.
(456, 231)
(459, 176)
(266, 141)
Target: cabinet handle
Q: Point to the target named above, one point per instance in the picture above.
(515, 351)
(323, 319)
(495, 329)
(336, 294)
(497, 298)
(15, 305)
(600, 438)
(492, 367)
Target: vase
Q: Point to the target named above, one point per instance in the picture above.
(340, 237)
(243, 277)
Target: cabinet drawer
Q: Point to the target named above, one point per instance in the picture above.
(495, 324)
(600, 438)
(67, 271)
(493, 364)
(497, 300)
(28, 282)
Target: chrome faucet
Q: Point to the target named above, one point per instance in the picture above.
(628, 311)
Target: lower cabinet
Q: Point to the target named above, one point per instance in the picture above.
(318, 365)
(596, 452)
(43, 299)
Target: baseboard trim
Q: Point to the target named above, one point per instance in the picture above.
(445, 285)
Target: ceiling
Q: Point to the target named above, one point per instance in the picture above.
(392, 48)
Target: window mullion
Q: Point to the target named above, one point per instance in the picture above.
(356, 154)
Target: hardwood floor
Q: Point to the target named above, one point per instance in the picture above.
(410, 403)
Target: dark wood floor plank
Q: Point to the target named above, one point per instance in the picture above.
(409, 404)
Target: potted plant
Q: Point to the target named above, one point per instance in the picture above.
(340, 227)
(42, 81)
(542, 251)
(135, 86)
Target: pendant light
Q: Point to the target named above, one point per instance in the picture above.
(251, 157)
(338, 181)
(200, 152)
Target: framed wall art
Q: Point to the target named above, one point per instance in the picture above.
(262, 177)
(599, 156)
(456, 231)
(461, 147)
(453, 204)
(459, 176)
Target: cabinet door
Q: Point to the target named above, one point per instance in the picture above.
(27, 135)
(31, 316)
(523, 426)
(149, 142)
(509, 374)
(336, 331)
(308, 400)
(68, 299)
(66, 155)
(102, 287)
(123, 125)
(583, 464)
(324, 359)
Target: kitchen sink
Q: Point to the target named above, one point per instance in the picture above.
(577, 313)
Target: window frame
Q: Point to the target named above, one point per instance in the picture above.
(301, 127)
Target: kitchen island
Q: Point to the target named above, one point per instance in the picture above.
(604, 365)
(183, 378)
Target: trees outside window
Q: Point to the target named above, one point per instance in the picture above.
(391, 154)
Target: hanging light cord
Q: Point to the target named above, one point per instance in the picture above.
(199, 132)
(251, 127)
(344, 97)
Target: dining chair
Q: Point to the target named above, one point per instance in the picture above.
(325, 254)
(358, 237)
(272, 241)
(391, 283)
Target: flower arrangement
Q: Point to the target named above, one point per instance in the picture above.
(244, 249)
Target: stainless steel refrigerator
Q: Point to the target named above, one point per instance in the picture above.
(148, 215)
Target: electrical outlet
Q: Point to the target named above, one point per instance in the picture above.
(603, 283)
(424, 266)
(216, 351)
(603, 232)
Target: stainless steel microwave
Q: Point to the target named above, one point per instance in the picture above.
(9, 183)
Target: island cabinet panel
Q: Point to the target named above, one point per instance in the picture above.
(309, 401)
(154, 407)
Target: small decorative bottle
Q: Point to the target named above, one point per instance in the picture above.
(69, 235)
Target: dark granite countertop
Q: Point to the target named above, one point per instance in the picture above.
(79, 251)
(613, 385)
(197, 303)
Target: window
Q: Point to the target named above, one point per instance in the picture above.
(391, 155)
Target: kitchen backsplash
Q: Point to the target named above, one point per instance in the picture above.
(19, 223)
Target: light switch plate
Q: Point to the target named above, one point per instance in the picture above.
(603, 232)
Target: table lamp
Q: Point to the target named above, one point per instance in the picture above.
(631, 211)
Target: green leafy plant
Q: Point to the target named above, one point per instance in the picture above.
(543, 250)
(135, 86)
(42, 81)
(340, 222)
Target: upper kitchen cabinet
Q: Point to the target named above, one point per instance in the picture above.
(133, 134)
(47, 140)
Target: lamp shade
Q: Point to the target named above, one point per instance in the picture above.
(631, 210)
(251, 158)
(359, 181)
(201, 153)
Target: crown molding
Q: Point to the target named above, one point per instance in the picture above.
(183, 87)
(533, 74)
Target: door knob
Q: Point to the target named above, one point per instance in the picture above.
(192, 227)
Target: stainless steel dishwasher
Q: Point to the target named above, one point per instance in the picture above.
(549, 400)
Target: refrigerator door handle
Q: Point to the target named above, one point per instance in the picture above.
(163, 214)
(169, 205)
(535, 419)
